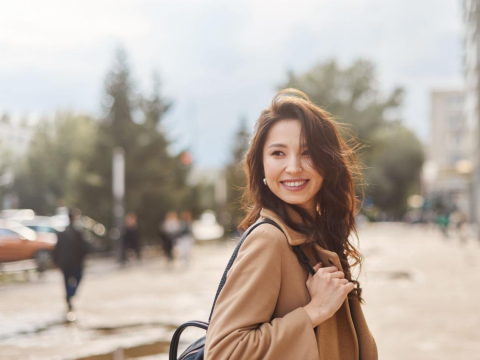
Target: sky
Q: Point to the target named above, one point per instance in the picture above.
(220, 60)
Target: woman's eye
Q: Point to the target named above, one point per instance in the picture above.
(277, 153)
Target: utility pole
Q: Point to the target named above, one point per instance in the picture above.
(118, 182)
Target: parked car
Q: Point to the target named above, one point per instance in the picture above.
(93, 232)
(44, 224)
(18, 242)
(17, 214)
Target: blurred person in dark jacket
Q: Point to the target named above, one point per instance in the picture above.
(130, 237)
(69, 255)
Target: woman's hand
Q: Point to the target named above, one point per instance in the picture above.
(328, 289)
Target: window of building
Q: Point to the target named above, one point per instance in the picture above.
(455, 100)
(454, 122)
(454, 158)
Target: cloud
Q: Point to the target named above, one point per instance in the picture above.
(219, 59)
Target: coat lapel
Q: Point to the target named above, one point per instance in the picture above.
(337, 336)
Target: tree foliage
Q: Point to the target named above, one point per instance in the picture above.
(235, 176)
(70, 157)
(392, 154)
(155, 179)
(55, 161)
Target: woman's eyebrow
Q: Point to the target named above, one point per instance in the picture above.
(277, 145)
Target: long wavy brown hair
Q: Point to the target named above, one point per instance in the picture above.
(334, 157)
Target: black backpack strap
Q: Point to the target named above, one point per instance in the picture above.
(176, 336)
(300, 254)
(230, 263)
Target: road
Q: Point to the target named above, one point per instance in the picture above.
(421, 294)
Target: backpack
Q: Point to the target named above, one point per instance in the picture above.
(196, 350)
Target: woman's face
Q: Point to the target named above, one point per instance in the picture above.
(288, 169)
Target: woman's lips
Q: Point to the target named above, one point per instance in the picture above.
(296, 185)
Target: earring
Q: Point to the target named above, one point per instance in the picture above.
(265, 181)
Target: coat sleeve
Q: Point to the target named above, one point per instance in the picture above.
(242, 325)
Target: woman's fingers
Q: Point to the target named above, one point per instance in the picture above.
(330, 269)
(318, 266)
(331, 272)
(350, 286)
(338, 275)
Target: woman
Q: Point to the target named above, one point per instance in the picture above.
(301, 175)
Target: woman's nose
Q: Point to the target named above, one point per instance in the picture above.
(294, 165)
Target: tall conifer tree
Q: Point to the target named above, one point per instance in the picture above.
(154, 179)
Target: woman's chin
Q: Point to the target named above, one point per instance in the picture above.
(297, 202)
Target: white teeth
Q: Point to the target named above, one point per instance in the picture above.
(295, 183)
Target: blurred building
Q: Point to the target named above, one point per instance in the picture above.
(471, 22)
(448, 170)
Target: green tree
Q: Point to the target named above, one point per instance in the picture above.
(157, 182)
(6, 163)
(116, 129)
(398, 158)
(352, 95)
(235, 176)
(54, 161)
(155, 179)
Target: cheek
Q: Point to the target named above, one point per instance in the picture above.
(318, 179)
(319, 183)
(269, 169)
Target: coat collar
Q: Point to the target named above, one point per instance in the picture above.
(294, 238)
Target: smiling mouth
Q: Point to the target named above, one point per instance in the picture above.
(297, 184)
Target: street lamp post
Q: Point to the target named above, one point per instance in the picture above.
(118, 188)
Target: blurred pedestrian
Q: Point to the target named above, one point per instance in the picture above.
(443, 221)
(130, 237)
(459, 220)
(185, 240)
(169, 231)
(69, 255)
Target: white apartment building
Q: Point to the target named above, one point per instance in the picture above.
(471, 63)
(449, 153)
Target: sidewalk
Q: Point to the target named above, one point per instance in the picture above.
(422, 293)
(421, 301)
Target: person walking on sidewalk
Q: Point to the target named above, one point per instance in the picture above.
(185, 240)
(169, 231)
(130, 237)
(301, 174)
(69, 255)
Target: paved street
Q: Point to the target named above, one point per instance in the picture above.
(421, 296)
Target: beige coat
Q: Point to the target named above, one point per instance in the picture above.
(259, 313)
